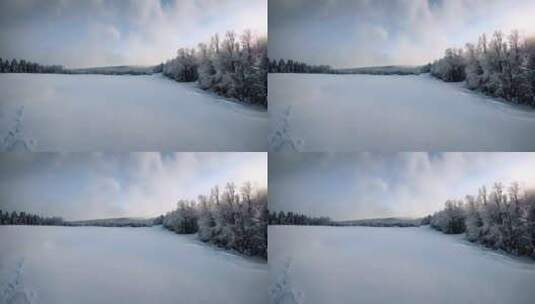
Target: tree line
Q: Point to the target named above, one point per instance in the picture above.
(292, 66)
(232, 218)
(501, 67)
(23, 66)
(24, 218)
(502, 219)
(293, 218)
(385, 222)
(231, 66)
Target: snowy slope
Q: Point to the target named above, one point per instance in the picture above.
(391, 265)
(41, 264)
(390, 113)
(46, 112)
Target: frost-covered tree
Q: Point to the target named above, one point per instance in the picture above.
(451, 68)
(292, 66)
(501, 67)
(207, 223)
(24, 66)
(474, 70)
(183, 68)
(233, 219)
(500, 219)
(206, 70)
(235, 66)
(183, 219)
(529, 232)
(294, 218)
(474, 222)
(451, 220)
(25, 218)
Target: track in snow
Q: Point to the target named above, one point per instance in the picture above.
(392, 265)
(391, 113)
(122, 113)
(44, 264)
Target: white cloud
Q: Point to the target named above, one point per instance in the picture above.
(81, 186)
(361, 185)
(346, 33)
(96, 33)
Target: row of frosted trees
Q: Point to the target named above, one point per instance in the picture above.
(233, 66)
(501, 67)
(23, 218)
(23, 66)
(292, 66)
(232, 218)
(293, 218)
(502, 219)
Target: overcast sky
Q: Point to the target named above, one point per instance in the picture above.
(352, 33)
(86, 186)
(362, 185)
(81, 33)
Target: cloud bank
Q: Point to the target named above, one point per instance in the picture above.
(351, 33)
(134, 32)
(363, 185)
(86, 186)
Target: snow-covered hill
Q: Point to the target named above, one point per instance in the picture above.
(46, 264)
(391, 265)
(53, 112)
(390, 113)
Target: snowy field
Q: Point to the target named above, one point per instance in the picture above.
(41, 264)
(391, 113)
(51, 112)
(391, 265)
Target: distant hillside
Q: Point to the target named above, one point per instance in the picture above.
(383, 222)
(116, 70)
(116, 222)
(386, 70)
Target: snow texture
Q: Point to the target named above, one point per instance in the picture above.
(393, 265)
(53, 112)
(391, 113)
(47, 264)
(282, 291)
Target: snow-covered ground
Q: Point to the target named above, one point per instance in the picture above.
(51, 112)
(41, 264)
(390, 113)
(391, 265)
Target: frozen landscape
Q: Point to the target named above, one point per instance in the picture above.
(53, 264)
(313, 112)
(53, 112)
(391, 265)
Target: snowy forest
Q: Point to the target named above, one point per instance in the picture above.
(24, 218)
(23, 66)
(231, 66)
(231, 218)
(294, 218)
(501, 67)
(293, 66)
(503, 219)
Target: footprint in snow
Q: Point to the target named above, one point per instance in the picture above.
(16, 139)
(15, 292)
